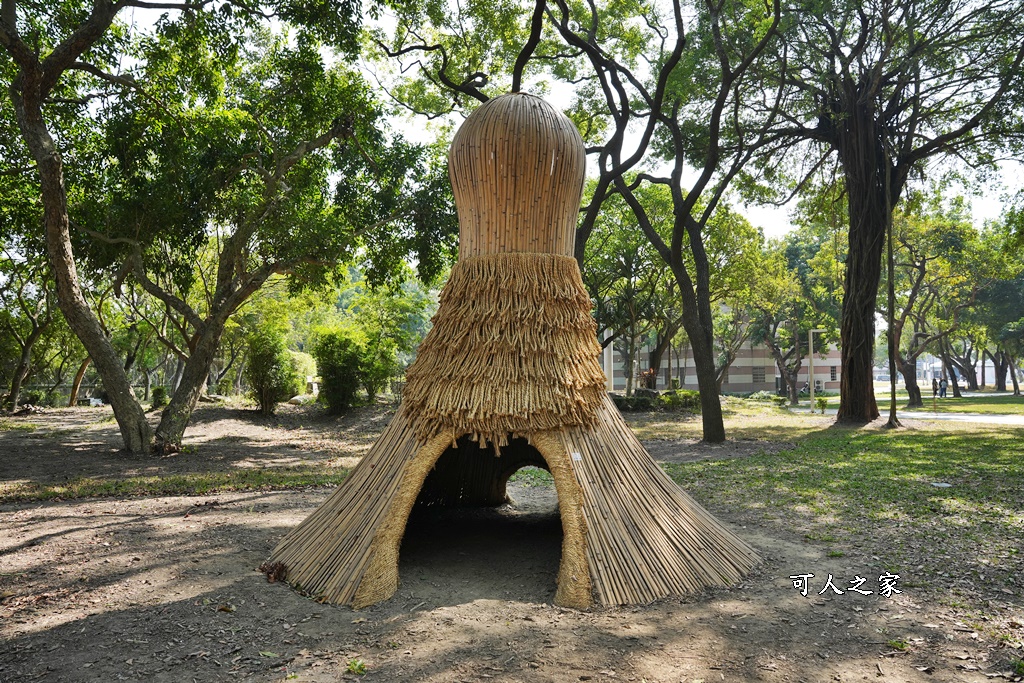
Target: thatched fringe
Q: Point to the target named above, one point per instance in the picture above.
(513, 349)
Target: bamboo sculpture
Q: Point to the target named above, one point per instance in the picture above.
(509, 376)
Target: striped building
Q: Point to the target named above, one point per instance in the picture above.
(753, 370)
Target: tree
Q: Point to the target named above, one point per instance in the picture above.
(628, 283)
(700, 126)
(779, 317)
(888, 85)
(27, 311)
(339, 354)
(271, 372)
(269, 152)
(939, 271)
(53, 48)
(1001, 305)
(740, 276)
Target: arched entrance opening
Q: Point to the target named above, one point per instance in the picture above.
(503, 546)
(471, 475)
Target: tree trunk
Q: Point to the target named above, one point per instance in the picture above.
(707, 382)
(792, 386)
(720, 372)
(909, 371)
(627, 367)
(77, 383)
(176, 415)
(681, 366)
(1000, 365)
(853, 126)
(857, 324)
(20, 372)
(58, 379)
(951, 372)
(239, 376)
(664, 343)
(179, 367)
(668, 368)
(971, 376)
(24, 365)
(131, 419)
(1013, 374)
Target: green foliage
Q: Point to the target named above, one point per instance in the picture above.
(1018, 667)
(765, 396)
(629, 284)
(159, 396)
(678, 400)
(684, 400)
(635, 404)
(270, 371)
(304, 366)
(356, 667)
(377, 366)
(33, 398)
(821, 403)
(339, 355)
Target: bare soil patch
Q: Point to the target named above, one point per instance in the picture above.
(165, 588)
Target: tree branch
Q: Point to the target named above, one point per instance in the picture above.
(536, 24)
(155, 290)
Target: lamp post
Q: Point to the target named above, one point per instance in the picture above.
(609, 362)
(810, 362)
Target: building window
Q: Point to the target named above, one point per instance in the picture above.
(758, 373)
(833, 374)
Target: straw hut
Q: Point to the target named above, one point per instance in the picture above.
(508, 377)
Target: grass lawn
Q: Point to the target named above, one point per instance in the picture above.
(192, 484)
(853, 489)
(989, 405)
(743, 420)
(870, 492)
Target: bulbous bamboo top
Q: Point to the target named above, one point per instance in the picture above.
(516, 166)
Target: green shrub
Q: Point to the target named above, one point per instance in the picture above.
(31, 398)
(762, 396)
(270, 370)
(55, 399)
(159, 397)
(225, 387)
(780, 400)
(339, 354)
(635, 404)
(685, 400)
(304, 366)
(379, 364)
(821, 402)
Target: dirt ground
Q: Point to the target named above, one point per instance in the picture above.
(166, 589)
